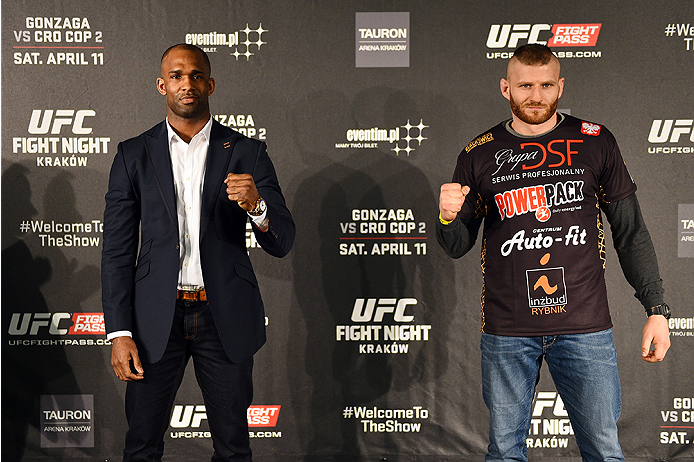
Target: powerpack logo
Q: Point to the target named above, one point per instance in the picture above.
(538, 199)
(372, 318)
(555, 36)
(549, 425)
(382, 39)
(401, 139)
(190, 421)
(546, 289)
(671, 136)
(60, 138)
(40, 329)
(67, 421)
(245, 42)
(57, 41)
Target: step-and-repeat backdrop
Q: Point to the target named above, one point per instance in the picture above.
(373, 350)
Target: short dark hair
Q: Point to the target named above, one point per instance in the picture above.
(189, 47)
(533, 54)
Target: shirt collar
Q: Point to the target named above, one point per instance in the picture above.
(204, 133)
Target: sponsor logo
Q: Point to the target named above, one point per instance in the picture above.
(67, 421)
(377, 420)
(194, 418)
(44, 34)
(382, 336)
(479, 141)
(677, 422)
(383, 232)
(549, 424)
(245, 42)
(685, 239)
(244, 124)
(546, 289)
(538, 199)
(542, 238)
(52, 142)
(671, 136)
(505, 36)
(590, 129)
(683, 31)
(38, 329)
(537, 155)
(382, 39)
(401, 138)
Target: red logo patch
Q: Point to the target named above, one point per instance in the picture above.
(588, 128)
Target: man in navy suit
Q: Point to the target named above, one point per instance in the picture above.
(182, 193)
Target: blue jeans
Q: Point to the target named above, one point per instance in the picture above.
(584, 370)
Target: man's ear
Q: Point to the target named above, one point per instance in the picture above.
(160, 86)
(504, 86)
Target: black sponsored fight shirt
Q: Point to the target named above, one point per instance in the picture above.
(543, 243)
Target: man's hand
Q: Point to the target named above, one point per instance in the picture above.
(451, 200)
(123, 349)
(656, 332)
(241, 189)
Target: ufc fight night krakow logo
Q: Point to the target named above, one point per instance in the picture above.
(560, 37)
(382, 326)
(61, 138)
(245, 42)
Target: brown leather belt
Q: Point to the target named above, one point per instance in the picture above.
(198, 295)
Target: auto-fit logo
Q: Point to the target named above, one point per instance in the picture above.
(404, 138)
(241, 43)
(562, 36)
(671, 136)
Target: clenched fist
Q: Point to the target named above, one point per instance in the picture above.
(451, 200)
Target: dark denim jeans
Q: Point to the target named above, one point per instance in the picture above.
(227, 390)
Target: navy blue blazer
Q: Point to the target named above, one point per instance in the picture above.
(140, 258)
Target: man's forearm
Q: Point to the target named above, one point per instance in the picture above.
(635, 250)
(456, 238)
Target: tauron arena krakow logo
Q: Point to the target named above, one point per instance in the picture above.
(245, 42)
(402, 139)
(562, 36)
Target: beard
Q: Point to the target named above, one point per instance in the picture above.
(533, 117)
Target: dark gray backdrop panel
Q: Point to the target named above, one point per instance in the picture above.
(303, 94)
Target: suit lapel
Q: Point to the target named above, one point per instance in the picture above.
(218, 156)
(157, 146)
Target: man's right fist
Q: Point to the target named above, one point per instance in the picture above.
(451, 200)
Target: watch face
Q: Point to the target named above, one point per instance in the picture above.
(262, 206)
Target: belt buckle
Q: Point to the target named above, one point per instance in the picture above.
(190, 293)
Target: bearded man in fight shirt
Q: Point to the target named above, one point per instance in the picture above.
(540, 182)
